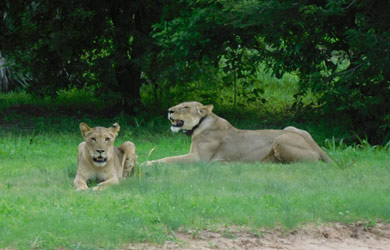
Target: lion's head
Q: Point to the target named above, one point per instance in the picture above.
(100, 142)
(187, 115)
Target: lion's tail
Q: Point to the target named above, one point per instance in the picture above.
(324, 156)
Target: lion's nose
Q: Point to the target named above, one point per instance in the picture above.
(100, 151)
(171, 111)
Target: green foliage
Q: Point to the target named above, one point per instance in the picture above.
(211, 51)
(74, 99)
(8, 80)
(73, 43)
(338, 49)
(259, 92)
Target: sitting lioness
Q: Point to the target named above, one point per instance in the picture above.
(100, 159)
(215, 139)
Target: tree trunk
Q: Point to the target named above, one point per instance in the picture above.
(132, 20)
(127, 72)
(129, 83)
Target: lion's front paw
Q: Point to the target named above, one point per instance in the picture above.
(98, 188)
(81, 189)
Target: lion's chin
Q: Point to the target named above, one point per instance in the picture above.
(100, 164)
(100, 161)
(175, 129)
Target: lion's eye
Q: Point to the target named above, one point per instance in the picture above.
(107, 139)
(93, 139)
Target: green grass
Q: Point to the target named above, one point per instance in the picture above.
(72, 98)
(39, 208)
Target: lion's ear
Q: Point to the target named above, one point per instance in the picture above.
(206, 110)
(85, 129)
(115, 128)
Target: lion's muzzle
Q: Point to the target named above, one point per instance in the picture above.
(177, 123)
(100, 159)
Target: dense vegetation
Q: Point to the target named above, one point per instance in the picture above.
(211, 51)
(318, 65)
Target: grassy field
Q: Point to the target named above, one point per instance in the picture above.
(39, 208)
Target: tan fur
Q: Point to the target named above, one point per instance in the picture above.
(217, 140)
(99, 144)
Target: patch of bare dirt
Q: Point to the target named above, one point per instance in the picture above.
(310, 237)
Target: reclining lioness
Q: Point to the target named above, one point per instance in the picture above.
(100, 159)
(215, 139)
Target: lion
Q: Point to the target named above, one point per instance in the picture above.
(215, 139)
(99, 159)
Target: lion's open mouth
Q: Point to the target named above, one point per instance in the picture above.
(99, 159)
(177, 123)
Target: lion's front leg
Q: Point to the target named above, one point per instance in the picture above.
(175, 159)
(80, 183)
(103, 185)
(129, 158)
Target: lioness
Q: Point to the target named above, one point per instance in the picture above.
(215, 139)
(100, 159)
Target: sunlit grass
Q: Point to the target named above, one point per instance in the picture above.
(72, 98)
(40, 209)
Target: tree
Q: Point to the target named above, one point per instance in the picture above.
(339, 49)
(8, 80)
(65, 43)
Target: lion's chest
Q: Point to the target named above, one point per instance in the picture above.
(102, 173)
(98, 174)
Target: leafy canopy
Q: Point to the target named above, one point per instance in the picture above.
(339, 49)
